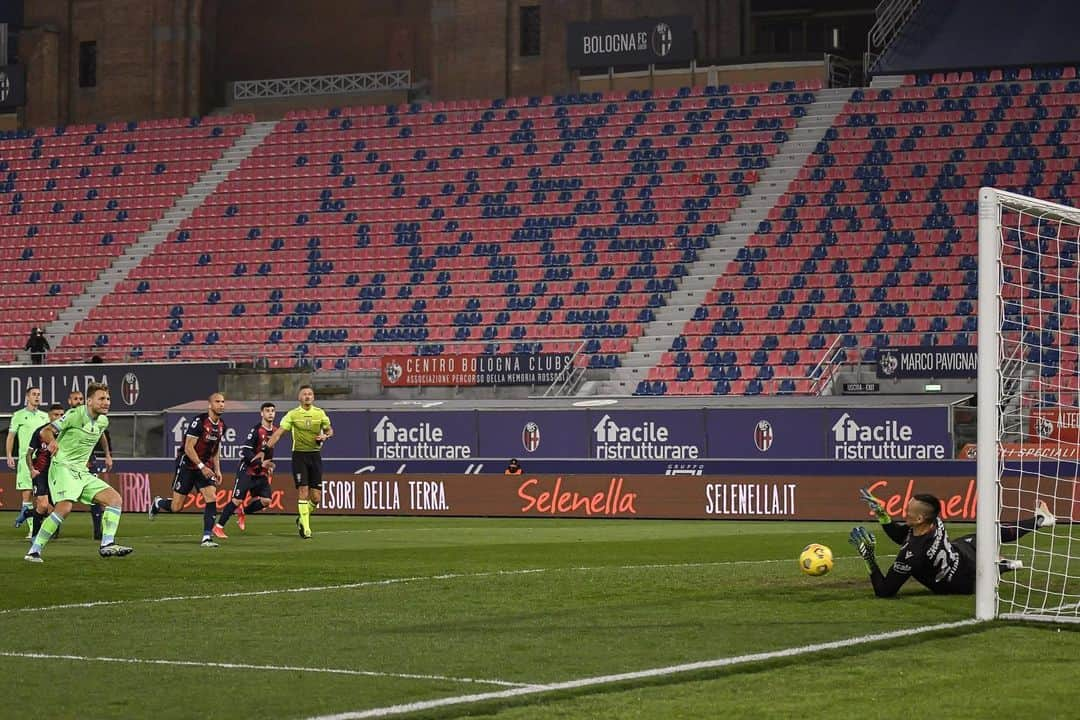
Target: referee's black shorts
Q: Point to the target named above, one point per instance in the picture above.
(307, 469)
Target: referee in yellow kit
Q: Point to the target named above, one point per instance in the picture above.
(310, 427)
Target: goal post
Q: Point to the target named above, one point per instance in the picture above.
(1028, 272)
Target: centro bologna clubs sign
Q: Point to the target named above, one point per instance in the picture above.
(457, 370)
(645, 41)
(947, 362)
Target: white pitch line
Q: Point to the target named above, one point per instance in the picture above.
(638, 675)
(278, 591)
(246, 666)
(379, 583)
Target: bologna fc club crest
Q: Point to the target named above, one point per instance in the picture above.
(887, 364)
(763, 435)
(129, 389)
(393, 372)
(1044, 427)
(530, 436)
(661, 39)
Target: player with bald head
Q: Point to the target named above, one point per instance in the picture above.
(926, 553)
(198, 467)
(310, 428)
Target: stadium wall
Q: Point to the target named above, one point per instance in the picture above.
(259, 39)
(148, 59)
(173, 58)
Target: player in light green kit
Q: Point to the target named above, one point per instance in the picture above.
(23, 424)
(71, 440)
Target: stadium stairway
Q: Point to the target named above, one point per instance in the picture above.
(734, 234)
(67, 320)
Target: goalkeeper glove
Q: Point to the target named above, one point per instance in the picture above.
(876, 506)
(863, 541)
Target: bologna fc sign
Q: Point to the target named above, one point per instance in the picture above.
(12, 87)
(644, 41)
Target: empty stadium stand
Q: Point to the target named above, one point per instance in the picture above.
(553, 224)
(483, 226)
(76, 197)
(874, 244)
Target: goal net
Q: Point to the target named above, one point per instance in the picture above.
(1028, 272)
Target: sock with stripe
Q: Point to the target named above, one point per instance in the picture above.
(110, 520)
(48, 529)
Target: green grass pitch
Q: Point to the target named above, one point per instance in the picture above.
(400, 612)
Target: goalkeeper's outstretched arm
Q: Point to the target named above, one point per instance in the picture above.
(866, 546)
(887, 585)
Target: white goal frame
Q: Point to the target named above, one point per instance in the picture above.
(988, 456)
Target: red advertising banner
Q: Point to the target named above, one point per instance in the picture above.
(766, 497)
(1028, 451)
(1055, 424)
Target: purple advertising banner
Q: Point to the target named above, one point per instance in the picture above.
(888, 434)
(524, 434)
(422, 435)
(679, 439)
(765, 433)
(350, 434)
(643, 435)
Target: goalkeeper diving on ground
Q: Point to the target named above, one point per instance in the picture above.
(926, 553)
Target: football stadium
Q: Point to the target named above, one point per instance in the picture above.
(539, 358)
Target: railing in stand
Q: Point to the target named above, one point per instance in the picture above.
(569, 379)
(890, 18)
(827, 368)
(322, 85)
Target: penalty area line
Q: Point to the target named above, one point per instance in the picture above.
(381, 583)
(247, 666)
(601, 680)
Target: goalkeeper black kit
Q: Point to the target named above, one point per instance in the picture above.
(944, 567)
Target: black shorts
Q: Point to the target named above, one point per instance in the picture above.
(257, 485)
(965, 545)
(307, 469)
(41, 485)
(188, 479)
